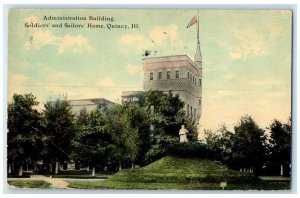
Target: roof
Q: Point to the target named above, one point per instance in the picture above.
(170, 59)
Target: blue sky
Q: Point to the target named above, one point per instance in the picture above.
(246, 58)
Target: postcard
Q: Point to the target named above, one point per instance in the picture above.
(149, 99)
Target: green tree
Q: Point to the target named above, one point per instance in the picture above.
(24, 131)
(248, 146)
(125, 137)
(59, 122)
(219, 142)
(93, 140)
(139, 120)
(280, 145)
(166, 115)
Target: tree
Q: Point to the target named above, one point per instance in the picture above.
(248, 145)
(139, 120)
(166, 115)
(219, 142)
(59, 122)
(93, 140)
(125, 137)
(24, 131)
(280, 145)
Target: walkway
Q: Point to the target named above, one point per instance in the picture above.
(56, 183)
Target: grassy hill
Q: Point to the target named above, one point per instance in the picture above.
(182, 174)
(183, 170)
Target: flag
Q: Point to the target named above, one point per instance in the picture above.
(192, 22)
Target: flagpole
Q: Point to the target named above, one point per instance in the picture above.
(198, 41)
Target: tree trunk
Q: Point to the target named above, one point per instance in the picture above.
(9, 168)
(87, 168)
(20, 171)
(281, 170)
(56, 167)
(132, 165)
(26, 166)
(94, 171)
(120, 166)
(50, 168)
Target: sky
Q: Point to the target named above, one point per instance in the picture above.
(246, 57)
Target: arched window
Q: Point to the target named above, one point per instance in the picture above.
(151, 75)
(177, 74)
(159, 75)
(168, 74)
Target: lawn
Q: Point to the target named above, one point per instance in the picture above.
(182, 174)
(30, 184)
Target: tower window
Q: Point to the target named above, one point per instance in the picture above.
(188, 75)
(199, 102)
(168, 74)
(177, 74)
(151, 75)
(188, 110)
(191, 111)
(195, 81)
(200, 82)
(159, 75)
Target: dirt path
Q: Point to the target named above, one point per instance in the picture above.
(56, 183)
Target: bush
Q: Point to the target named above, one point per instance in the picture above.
(190, 149)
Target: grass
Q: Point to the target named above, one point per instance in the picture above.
(30, 184)
(182, 174)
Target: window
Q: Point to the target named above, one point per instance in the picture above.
(195, 113)
(200, 82)
(191, 111)
(195, 81)
(151, 75)
(177, 74)
(199, 102)
(188, 75)
(188, 110)
(168, 74)
(159, 75)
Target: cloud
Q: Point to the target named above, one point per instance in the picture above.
(134, 41)
(248, 43)
(158, 36)
(39, 38)
(106, 82)
(135, 69)
(67, 43)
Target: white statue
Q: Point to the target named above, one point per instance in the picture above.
(183, 134)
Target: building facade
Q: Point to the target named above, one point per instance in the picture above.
(180, 75)
(89, 105)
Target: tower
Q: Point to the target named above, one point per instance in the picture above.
(180, 75)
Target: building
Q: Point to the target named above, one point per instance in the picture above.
(133, 97)
(180, 75)
(89, 105)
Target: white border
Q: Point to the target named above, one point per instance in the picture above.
(189, 4)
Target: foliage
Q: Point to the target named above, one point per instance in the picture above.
(248, 145)
(24, 129)
(59, 122)
(30, 184)
(166, 115)
(93, 139)
(124, 136)
(280, 144)
(190, 150)
(219, 143)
